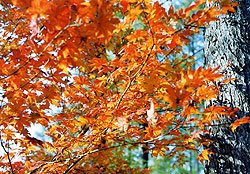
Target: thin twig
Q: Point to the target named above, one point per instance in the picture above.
(106, 148)
(125, 143)
(10, 36)
(35, 76)
(134, 77)
(65, 28)
(7, 153)
(36, 169)
(120, 145)
(58, 34)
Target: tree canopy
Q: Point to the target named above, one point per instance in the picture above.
(116, 71)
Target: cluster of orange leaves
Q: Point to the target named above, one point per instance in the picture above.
(87, 59)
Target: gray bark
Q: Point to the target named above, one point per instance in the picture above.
(228, 41)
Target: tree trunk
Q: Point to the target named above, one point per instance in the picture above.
(145, 153)
(228, 41)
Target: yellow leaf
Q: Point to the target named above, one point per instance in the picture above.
(54, 102)
(204, 155)
(63, 66)
(83, 120)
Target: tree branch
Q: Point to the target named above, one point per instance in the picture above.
(134, 77)
(52, 40)
(7, 153)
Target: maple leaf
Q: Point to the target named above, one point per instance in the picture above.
(204, 155)
(133, 15)
(196, 134)
(239, 122)
(98, 63)
(151, 83)
(124, 5)
(39, 8)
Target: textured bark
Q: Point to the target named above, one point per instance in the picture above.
(145, 155)
(228, 41)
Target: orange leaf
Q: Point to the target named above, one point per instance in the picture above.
(204, 155)
(239, 122)
(228, 80)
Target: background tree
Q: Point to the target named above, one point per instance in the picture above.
(227, 45)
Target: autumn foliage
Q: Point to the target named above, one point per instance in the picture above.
(117, 84)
